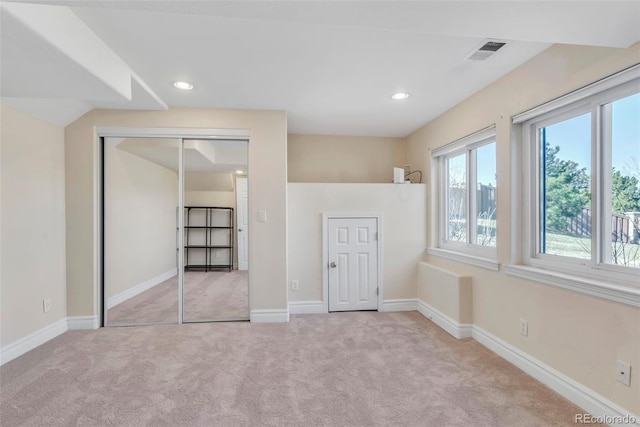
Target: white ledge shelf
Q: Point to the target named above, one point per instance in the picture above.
(477, 261)
(609, 291)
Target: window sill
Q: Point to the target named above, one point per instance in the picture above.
(477, 261)
(609, 291)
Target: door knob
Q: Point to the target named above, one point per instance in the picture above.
(332, 265)
(240, 230)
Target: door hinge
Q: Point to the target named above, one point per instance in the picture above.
(377, 291)
(376, 236)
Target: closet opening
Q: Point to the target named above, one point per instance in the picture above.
(174, 229)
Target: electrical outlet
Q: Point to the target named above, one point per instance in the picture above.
(262, 216)
(524, 327)
(295, 285)
(46, 305)
(623, 372)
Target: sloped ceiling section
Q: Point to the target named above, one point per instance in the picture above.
(56, 68)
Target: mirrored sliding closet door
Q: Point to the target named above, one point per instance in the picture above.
(140, 220)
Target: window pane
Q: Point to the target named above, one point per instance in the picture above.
(457, 197)
(486, 195)
(625, 181)
(565, 194)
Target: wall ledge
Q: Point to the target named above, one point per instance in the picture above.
(622, 294)
(477, 261)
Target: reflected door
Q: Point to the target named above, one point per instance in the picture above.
(141, 196)
(242, 203)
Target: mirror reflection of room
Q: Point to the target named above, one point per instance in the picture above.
(140, 198)
(215, 230)
(141, 189)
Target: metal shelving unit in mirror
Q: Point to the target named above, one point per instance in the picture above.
(208, 238)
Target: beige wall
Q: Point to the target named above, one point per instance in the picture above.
(221, 199)
(579, 335)
(32, 224)
(141, 198)
(317, 158)
(267, 191)
(403, 207)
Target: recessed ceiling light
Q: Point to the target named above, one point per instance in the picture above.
(183, 85)
(399, 96)
(239, 171)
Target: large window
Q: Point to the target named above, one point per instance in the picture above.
(468, 194)
(583, 185)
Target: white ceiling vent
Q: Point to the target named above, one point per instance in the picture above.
(487, 49)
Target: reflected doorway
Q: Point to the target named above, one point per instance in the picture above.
(170, 231)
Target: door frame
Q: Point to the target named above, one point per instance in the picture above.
(237, 233)
(326, 216)
(98, 203)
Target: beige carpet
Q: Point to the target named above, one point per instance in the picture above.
(339, 369)
(213, 295)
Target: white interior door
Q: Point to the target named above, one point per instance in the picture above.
(353, 264)
(242, 212)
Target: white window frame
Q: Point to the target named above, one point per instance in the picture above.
(472, 253)
(592, 276)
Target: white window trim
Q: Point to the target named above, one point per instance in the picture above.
(598, 288)
(595, 88)
(486, 263)
(474, 254)
(592, 277)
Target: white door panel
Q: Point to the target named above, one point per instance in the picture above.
(353, 264)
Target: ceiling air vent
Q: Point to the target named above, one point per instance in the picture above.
(488, 48)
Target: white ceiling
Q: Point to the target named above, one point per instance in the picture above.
(331, 65)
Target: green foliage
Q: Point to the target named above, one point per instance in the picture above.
(625, 193)
(567, 189)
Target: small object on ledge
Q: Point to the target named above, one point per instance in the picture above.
(411, 173)
(398, 175)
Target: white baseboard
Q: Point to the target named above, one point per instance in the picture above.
(33, 340)
(76, 323)
(407, 304)
(140, 288)
(269, 316)
(457, 330)
(587, 399)
(307, 307)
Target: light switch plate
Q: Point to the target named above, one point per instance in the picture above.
(262, 216)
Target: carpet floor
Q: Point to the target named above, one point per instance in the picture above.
(213, 295)
(341, 369)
